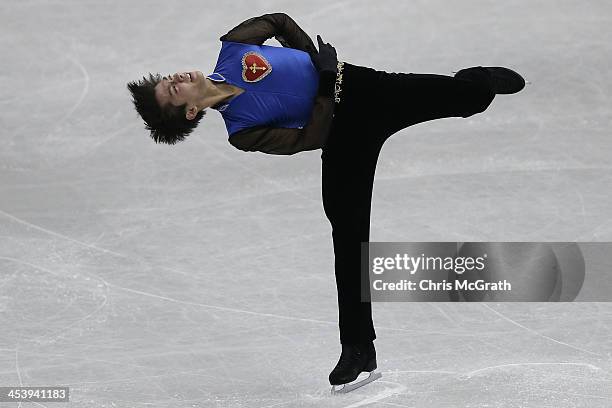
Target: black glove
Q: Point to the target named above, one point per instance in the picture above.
(326, 59)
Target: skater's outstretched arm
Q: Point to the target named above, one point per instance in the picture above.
(257, 30)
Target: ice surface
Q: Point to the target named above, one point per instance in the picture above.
(197, 275)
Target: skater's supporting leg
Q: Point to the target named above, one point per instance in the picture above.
(348, 179)
(349, 163)
(348, 176)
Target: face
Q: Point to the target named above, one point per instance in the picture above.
(180, 88)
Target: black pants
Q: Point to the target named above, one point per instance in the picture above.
(374, 105)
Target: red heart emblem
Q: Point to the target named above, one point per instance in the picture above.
(254, 67)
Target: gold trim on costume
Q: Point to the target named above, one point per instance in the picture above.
(338, 85)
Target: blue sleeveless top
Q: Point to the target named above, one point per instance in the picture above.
(280, 86)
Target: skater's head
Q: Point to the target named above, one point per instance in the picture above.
(169, 105)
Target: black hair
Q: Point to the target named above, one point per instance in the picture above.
(167, 124)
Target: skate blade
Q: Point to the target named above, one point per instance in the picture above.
(343, 389)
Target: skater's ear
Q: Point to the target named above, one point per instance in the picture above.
(191, 112)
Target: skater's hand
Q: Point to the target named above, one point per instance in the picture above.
(326, 59)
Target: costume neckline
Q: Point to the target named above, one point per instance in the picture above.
(217, 77)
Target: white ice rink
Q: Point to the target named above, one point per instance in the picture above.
(197, 275)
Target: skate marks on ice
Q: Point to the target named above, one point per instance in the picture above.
(369, 389)
(418, 384)
(511, 365)
(385, 393)
(538, 334)
(523, 377)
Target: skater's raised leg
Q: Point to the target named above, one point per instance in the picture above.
(415, 98)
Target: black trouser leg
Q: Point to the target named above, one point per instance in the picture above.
(414, 98)
(347, 197)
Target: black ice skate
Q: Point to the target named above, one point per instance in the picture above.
(355, 359)
(503, 81)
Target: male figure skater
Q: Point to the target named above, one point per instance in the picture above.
(284, 100)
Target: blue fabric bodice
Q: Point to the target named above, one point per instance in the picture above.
(282, 97)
